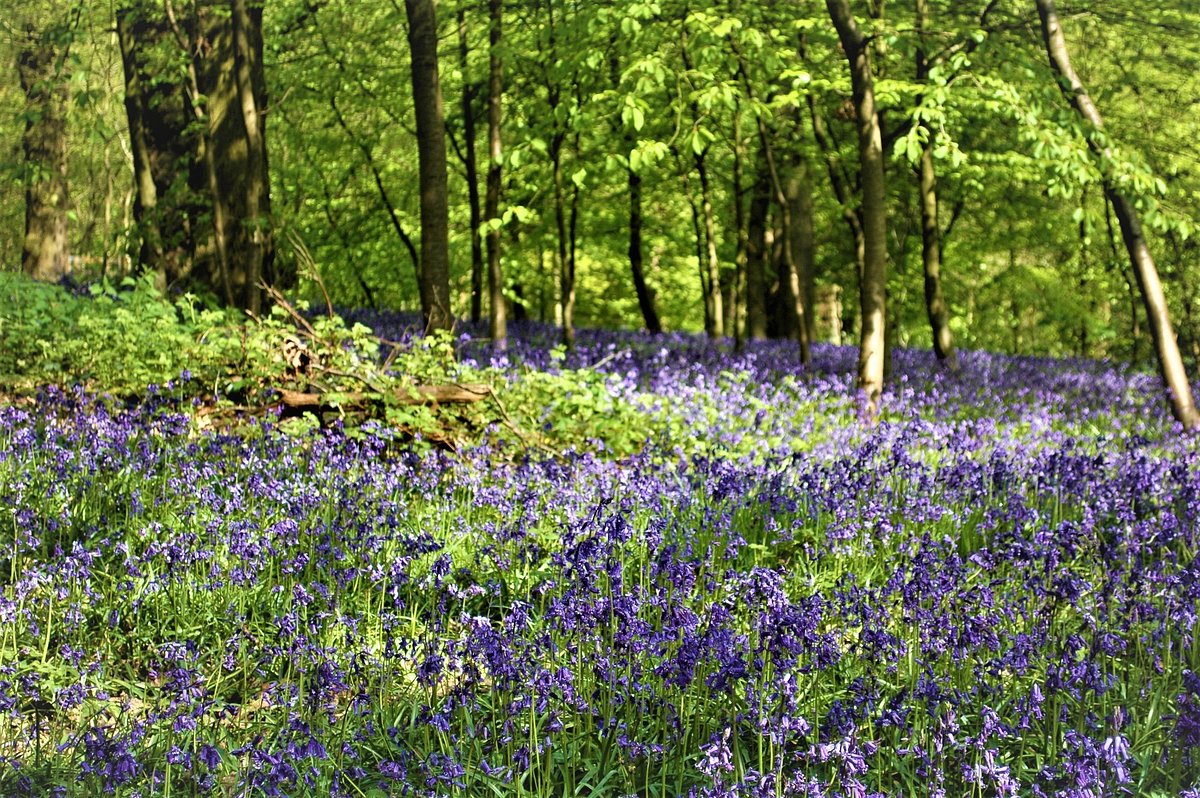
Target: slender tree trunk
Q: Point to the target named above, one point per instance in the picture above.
(380, 187)
(431, 154)
(497, 308)
(839, 182)
(714, 307)
(573, 241)
(791, 272)
(566, 266)
(756, 254)
(874, 213)
(742, 254)
(1190, 297)
(931, 258)
(710, 264)
(41, 67)
(1170, 362)
(472, 167)
(931, 245)
(701, 249)
(798, 190)
(644, 297)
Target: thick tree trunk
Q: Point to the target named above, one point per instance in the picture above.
(212, 227)
(207, 152)
(470, 162)
(42, 72)
(251, 91)
(872, 341)
(431, 155)
(756, 254)
(1166, 347)
(497, 309)
(162, 142)
(931, 245)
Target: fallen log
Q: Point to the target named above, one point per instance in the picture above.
(453, 393)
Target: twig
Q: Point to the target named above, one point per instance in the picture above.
(279, 299)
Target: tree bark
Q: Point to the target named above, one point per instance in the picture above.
(431, 156)
(199, 145)
(931, 245)
(1170, 362)
(741, 258)
(874, 219)
(791, 272)
(644, 297)
(756, 254)
(160, 142)
(42, 70)
(497, 308)
(698, 239)
(715, 311)
(566, 265)
(207, 153)
(257, 244)
(798, 190)
(470, 163)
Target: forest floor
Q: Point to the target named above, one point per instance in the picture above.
(694, 572)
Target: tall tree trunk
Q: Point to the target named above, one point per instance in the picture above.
(573, 242)
(497, 309)
(199, 145)
(931, 245)
(714, 307)
(431, 155)
(207, 153)
(1170, 363)
(710, 263)
(41, 67)
(164, 144)
(470, 163)
(701, 248)
(874, 214)
(798, 190)
(741, 257)
(247, 48)
(931, 259)
(839, 181)
(791, 272)
(644, 297)
(756, 254)
(566, 265)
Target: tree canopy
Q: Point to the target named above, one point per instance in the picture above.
(657, 163)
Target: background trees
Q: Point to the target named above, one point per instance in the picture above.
(664, 163)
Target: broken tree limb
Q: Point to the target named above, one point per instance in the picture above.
(453, 393)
